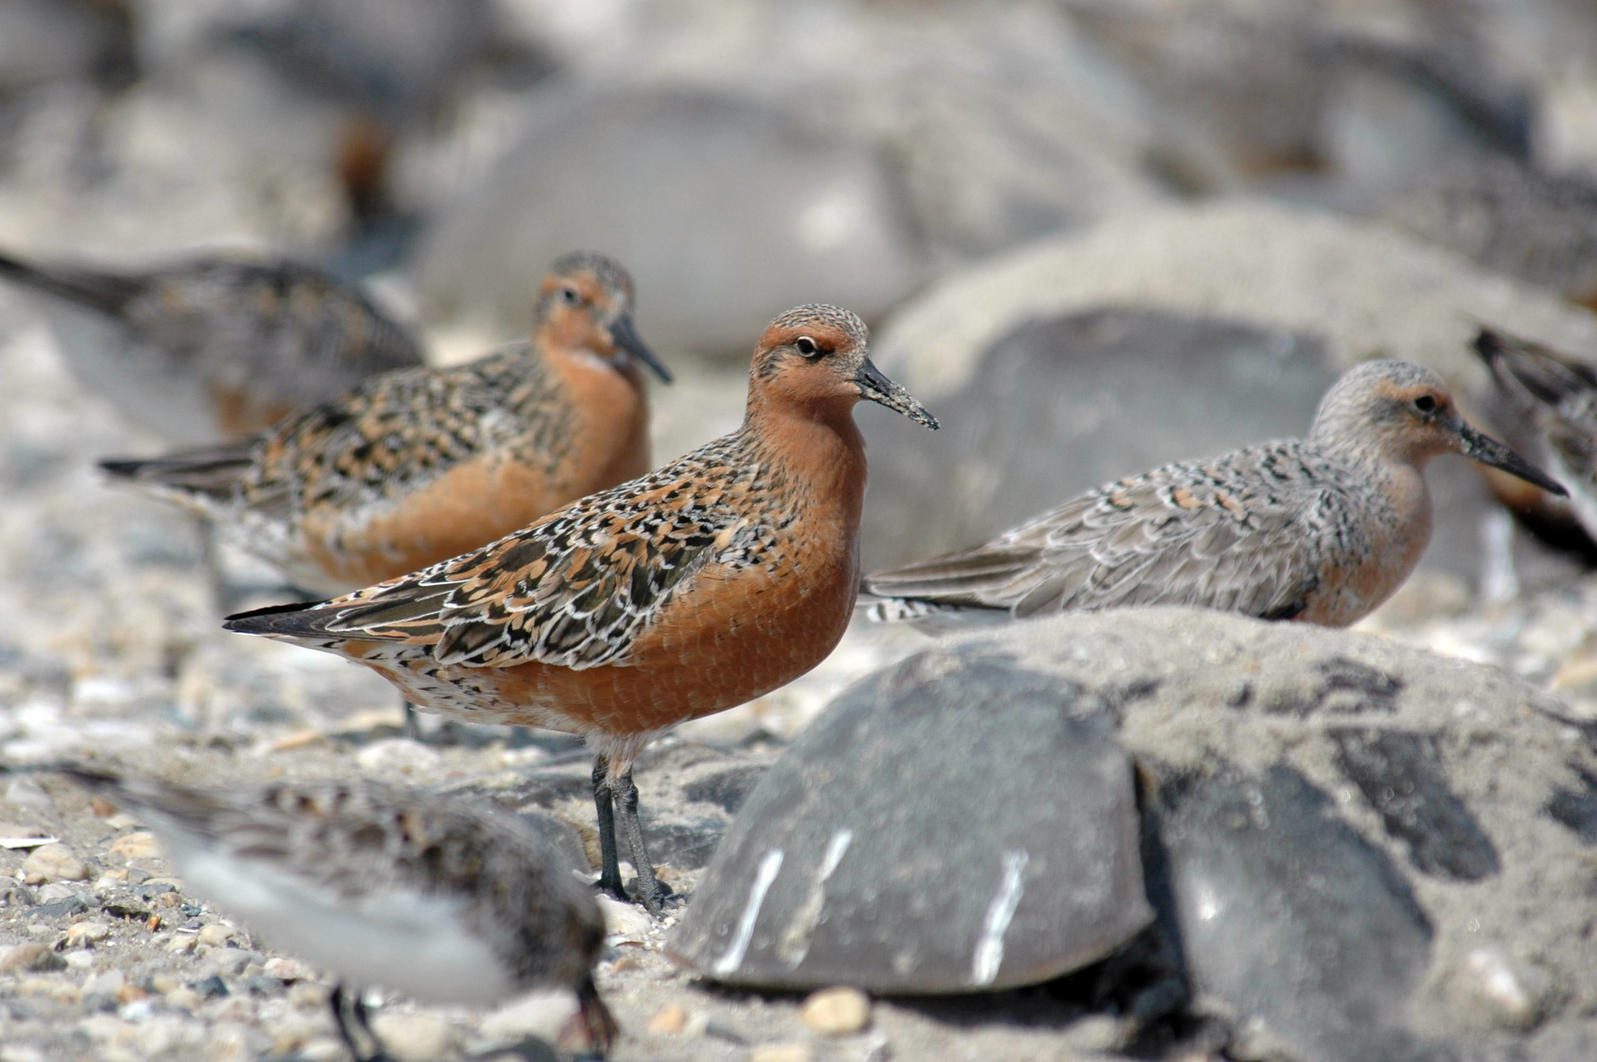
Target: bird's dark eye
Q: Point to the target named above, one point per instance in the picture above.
(571, 295)
(1425, 404)
(807, 346)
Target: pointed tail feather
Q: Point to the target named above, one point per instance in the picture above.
(297, 621)
(213, 471)
(1530, 369)
(106, 293)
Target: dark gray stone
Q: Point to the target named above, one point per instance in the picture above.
(726, 789)
(1287, 914)
(932, 832)
(1577, 808)
(684, 843)
(1402, 776)
(212, 987)
(63, 908)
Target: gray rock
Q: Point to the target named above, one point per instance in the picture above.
(1244, 308)
(739, 209)
(45, 41)
(1350, 839)
(904, 844)
(1303, 87)
(1281, 908)
(1507, 217)
(726, 789)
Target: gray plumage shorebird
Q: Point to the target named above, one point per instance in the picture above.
(1557, 396)
(419, 892)
(1321, 529)
(213, 347)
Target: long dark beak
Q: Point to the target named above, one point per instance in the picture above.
(1488, 451)
(876, 387)
(626, 337)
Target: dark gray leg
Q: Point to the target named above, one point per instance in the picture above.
(652, 893)
(412, 724)
(345, 1005)
(609, 861)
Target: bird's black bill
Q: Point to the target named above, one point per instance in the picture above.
(1488, 451)
(875, 386)
(627, 338)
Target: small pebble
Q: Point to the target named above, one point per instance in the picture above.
(414, 1037)
(52, 862)
(625, 920)
(323, 1049)
(397, 756)
(285, 969)
(131, 994)
(27, 793)
(108, 982)
(182, 944)
(306, 994)
(86, 934)
(669, 1020)
(30, 956)
(290, 1034)
(212, 987)
(218, 935)
(839, 1011)
(229, 962)
(1515, 995)
(58, 892)
(261, 985)
(186, 998)
(138, 845)
(1095, 1034)
(780, 1053)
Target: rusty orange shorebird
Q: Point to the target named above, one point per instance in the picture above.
(717, 578)
(1320, 530)
(416, 466)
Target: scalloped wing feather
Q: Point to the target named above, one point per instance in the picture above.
(575, 589)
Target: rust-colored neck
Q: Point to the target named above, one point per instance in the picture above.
(819, 450)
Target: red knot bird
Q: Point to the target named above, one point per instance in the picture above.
(424, 893)
(212, 347)
(1556, 395)
(416, 466)
(717, 578)
(1320, 530)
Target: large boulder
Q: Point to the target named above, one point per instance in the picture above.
(739, 210)
(1175, 334)
(1355, 849)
